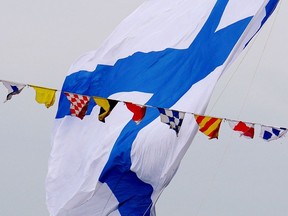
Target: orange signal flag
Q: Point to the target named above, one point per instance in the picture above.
(208, 125)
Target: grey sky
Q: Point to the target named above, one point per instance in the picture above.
(231, 176)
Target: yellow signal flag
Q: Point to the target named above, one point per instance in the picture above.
(44, 95)
(106, 105)
(208, 125)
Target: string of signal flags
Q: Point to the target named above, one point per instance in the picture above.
(208, 125)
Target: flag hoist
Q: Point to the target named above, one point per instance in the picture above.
(168, 53)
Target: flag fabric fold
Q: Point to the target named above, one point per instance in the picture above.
(208, 125)
(168, 53)
(272, 133)
(107, 105)
(44, 96)
(13, 89)
(137, 110)
(172, 118)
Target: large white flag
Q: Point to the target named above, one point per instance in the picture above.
(169, 54)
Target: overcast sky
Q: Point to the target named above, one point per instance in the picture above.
(40, 39)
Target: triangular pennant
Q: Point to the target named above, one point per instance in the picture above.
(13, 89)
(106, 105)
(44, 95)
(172, 118)
(137, 110)
(208, 125)
(79, 104)
(272, 133)
(245, 129)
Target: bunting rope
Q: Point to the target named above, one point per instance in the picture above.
(208, 125)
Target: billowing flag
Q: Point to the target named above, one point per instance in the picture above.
(13, 89)
(168, 53)
(44, 95)
(245, 129)
(106, 105)
(172, 118)
(208, 125)
(272, 133)
(137, 110)
(79, 104)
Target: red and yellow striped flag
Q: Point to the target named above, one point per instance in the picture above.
(208, 125)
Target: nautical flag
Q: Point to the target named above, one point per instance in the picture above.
(106, 105)
(13, 89)
(44, 95)
(172, 118)
(272, 133)
(79, 104)
(168, 53)
(208, 125)
(137, 110)
(245, 129)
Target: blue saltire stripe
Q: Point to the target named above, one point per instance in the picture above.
(168, 74)
(270, 7)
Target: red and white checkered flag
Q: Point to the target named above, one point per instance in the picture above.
(79, 104)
